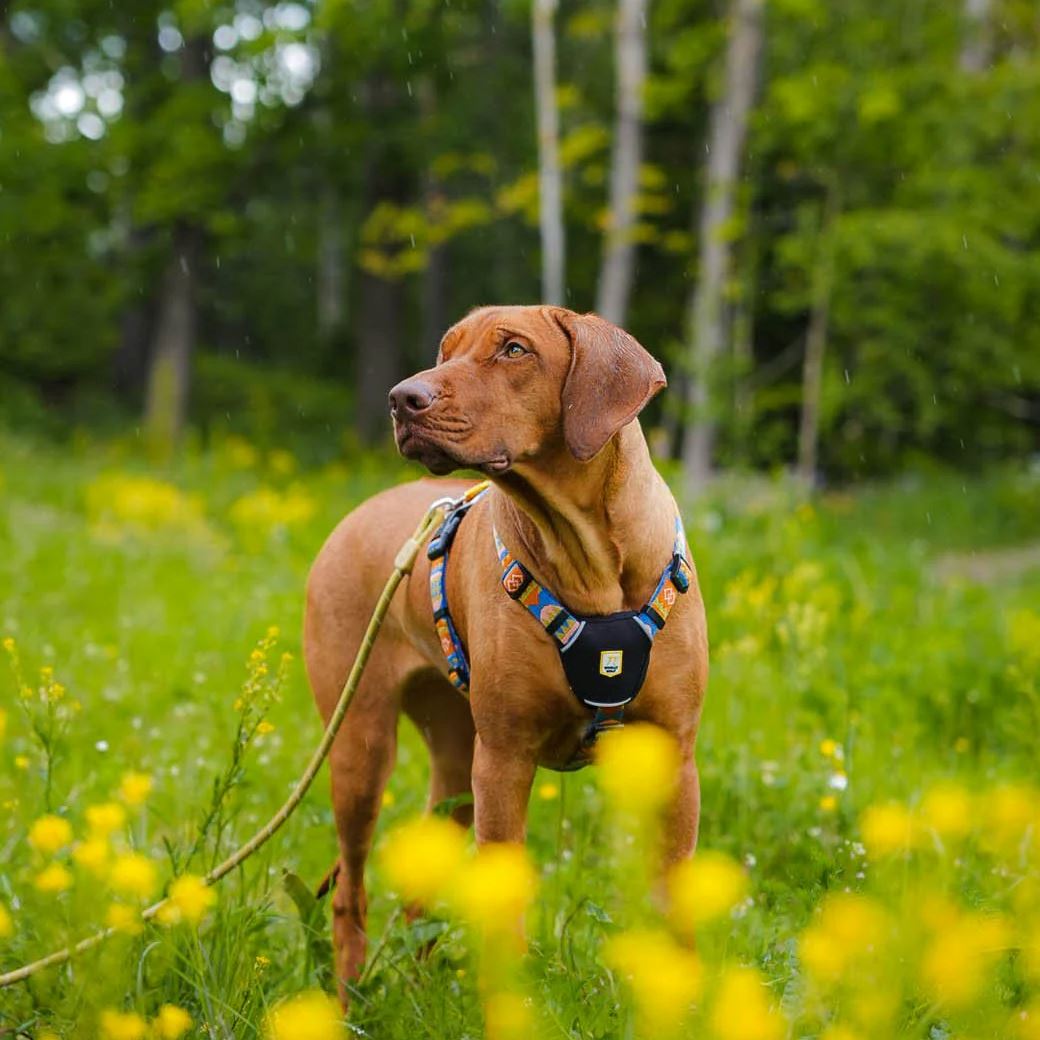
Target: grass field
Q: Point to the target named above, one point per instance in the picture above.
(867, 646)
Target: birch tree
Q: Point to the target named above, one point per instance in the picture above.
(977, 39)
(619, 247)
(550, 187)
(706, 320)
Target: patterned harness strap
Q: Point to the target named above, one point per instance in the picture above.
(439, 548)
(562, 625)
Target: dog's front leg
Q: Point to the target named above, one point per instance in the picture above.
(502, 778)
(682, 817)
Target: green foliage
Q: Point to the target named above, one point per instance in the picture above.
(309, 145)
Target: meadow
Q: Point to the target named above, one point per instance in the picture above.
(868, 759)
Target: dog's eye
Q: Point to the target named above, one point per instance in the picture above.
(514, 350)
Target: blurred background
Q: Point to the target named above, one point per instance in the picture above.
(254, 218)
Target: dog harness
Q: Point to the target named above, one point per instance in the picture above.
(605, 657)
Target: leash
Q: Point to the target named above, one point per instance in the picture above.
(404, 561)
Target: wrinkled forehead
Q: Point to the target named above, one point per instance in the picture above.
(485, 327)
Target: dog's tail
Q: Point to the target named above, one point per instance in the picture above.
(328, 881)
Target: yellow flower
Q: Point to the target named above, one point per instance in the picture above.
(92, 854)
(53, 879)
(106, 818)
(122, 1025)
(50, 833)
(704, 888)
(947, 809)
(134, 875)
(171, 1023)
(829, 748)
(507, 1016)
(848, 927)
(134, 788)
(665, 978)
(122, 918)
(741, 1010)
(6, 923)
(9, 644)
(265, 727)
(494, 888)
(955, 965)
(308, 1016)
(547, 792)
(828, 803)
(422, 858)
(22, 761)
(189, 900)
(1008, 811)
(639, 767)
(887, 829)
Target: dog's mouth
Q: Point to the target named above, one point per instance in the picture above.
(421, 445)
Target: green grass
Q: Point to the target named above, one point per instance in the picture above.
(827, 620)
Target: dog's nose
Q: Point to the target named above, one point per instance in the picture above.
(410, 398)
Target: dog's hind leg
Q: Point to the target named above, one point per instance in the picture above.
(360, 764)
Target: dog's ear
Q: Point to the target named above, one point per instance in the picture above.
(611, 379)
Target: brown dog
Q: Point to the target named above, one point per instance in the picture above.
(544, 402)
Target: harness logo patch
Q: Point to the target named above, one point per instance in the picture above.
(610, 662)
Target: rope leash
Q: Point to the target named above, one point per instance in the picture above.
(404, 561)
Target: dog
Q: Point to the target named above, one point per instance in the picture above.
(544, 402)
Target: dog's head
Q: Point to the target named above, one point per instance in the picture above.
(512, 384)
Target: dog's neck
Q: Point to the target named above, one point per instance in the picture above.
(598, 533)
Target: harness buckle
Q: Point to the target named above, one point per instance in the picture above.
(680, 573)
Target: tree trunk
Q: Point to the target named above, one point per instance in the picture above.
(816, 343)
(976, 49)
(706, 320)
(166, 403)
(379, 353)
(550, 188)
(619, 248)
(331, 272)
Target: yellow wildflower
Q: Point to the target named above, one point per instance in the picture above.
(106, 818)
(955, 965)
(422, 858)
(265, 727)
(742, 1011)
(887, 829)
(92, 854)
(122, 918)
(947, 809)
(547, 792)
(665, 978)
(639, 767)
(261, 962)
(308, 1016)
(9, 644)
(828, 803)
(171, 1023)
(122, 1025)
(50, 833)
(22, 761)
(134, 788)
(829, 748)
(848, 927)
(134, 875)
(507, 1016)
(6, 923)
(53, 879)
(704, 888)
(494, 888)
(1008, 811)
(189, 900)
